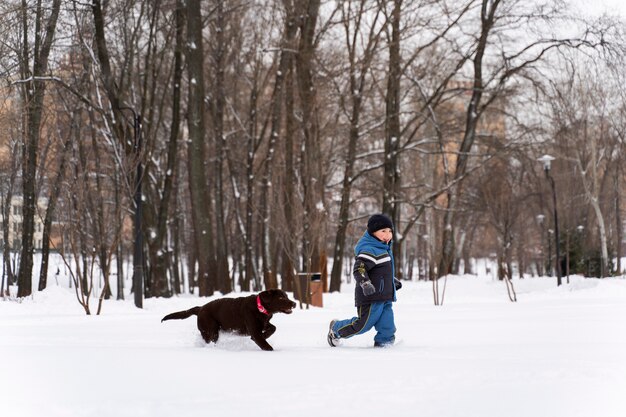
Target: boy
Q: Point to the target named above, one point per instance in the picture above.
(376, 286)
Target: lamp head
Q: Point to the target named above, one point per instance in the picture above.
(546, 160)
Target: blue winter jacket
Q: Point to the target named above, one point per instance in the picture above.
(373, 261)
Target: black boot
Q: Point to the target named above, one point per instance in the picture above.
(332, 338)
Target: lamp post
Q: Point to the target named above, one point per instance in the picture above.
(546, 160)
(137, 198)
(540, 219)
(549, 264)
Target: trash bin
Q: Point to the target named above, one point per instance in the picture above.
(316, 288)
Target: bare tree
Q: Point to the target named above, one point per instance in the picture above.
(286, 56)
(53, 197)
(360, 59)
(218, 60)
(7, 186)
(36, 52)
(159, 255)
(580, 108)
(391, 175)
(489, 81)
(311, 161)
(501, 193)
(200, 203)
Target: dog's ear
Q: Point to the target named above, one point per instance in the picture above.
(269, 298)
(265, 296)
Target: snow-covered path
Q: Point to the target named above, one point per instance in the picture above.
(557, 352)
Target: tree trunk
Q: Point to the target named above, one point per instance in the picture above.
(603, 237)
(119, 247)
(391, 176)
(313, 185)
(466, 252)
(33, 96)
(618, 218)
(521, 254)
(219, 103)
(176, 265)
(289, 195)
(96, 203)
(159, 254)
(249, 269)
(459, 251)
(200, 201)
(6, 201)
(592, 190)
(47, 224)
(509, 260)
(286, 55)
(192, 259)
(344, 208)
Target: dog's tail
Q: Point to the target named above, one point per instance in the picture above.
(179, 315)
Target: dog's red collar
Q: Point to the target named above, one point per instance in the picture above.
(260, 306)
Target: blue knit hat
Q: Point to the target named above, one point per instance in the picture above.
(377, 222)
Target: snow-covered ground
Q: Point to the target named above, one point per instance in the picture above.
(556, 352)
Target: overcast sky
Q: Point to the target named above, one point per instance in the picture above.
(597, 7)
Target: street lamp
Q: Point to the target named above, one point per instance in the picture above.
(540, 219)
(546, 160)
(549, 264)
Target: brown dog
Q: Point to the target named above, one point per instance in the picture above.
(245, 315)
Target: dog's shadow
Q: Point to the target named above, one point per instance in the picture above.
(228, 341)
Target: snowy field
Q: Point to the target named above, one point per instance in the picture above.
(556, 352)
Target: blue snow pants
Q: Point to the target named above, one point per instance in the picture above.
(378, 315)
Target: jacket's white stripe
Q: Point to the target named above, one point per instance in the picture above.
(376, 261)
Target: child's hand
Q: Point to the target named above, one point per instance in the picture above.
(368, 288)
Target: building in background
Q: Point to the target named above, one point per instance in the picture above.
(15, 224)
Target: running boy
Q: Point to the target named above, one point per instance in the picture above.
(376, 286)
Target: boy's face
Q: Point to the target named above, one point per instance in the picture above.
(384, 235)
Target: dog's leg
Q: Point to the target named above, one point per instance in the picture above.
(255, 330)
(269, 330)
(209, 329)
(260, 341)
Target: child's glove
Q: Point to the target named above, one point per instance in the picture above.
(368, 287)
(397, 283)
